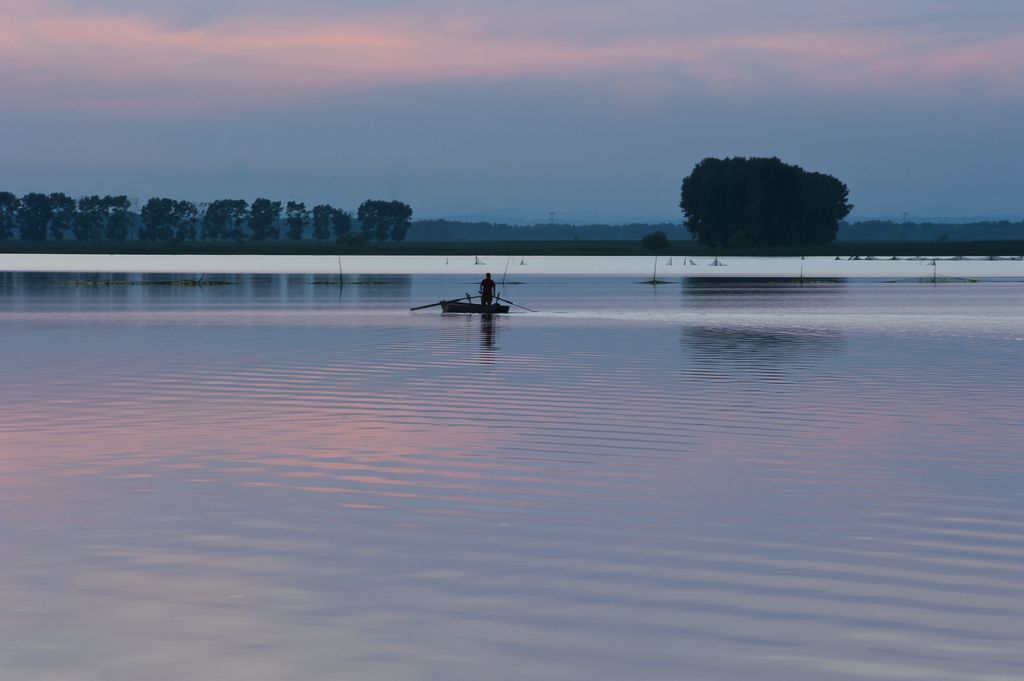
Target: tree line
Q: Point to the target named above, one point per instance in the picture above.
(891, 230)
(56, 216)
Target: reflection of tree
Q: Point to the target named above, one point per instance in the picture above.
(720, 350)
(745, 287)
(759, 294)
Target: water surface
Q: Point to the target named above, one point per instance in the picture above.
(285, 478)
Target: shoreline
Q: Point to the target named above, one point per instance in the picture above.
(813, 267)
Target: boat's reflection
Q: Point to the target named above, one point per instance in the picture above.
(488, 334)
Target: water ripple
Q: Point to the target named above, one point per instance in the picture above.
(286, 492)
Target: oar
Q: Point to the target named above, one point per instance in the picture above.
(423, 307)
(453, 300)
(515, 304)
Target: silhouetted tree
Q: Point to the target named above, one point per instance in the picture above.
(8, 211)
(119, 217)
(655, 241)
(157, 220)
(63, 218)
(322, 222)
(184, 216)
(91, 218)
(341, 223)
(383, 219)
(225, 219)
(401, 220)
(263, 218)
(761, 202)
(168, 220)
(34, 214)
(215, 221)
(296, 219)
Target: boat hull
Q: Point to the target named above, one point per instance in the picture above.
(474, 308)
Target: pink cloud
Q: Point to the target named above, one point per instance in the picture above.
(131, 62)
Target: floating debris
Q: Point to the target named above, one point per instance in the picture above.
(934, 280)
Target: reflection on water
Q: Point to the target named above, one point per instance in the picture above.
(763, 295)
(282, 479)
(757, 351)
(488, 330)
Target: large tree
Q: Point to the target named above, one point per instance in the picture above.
(384, 219)
(322, 221)
(8, 211)
(91, 218)
(107, 217)
(761, 202)
(34, 214)
(296, 219)
(341, 223)
(263, 216)
(224, 219)
(168, 220)
(63, 218)
(157, 220)
(119, 217)
(184, 216)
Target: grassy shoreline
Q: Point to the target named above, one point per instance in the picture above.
(535, 248)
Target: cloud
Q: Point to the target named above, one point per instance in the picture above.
(98, 60)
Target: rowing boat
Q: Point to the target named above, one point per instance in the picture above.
(466, 305)
(473, 308)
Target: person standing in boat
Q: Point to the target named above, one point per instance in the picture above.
(487, 287)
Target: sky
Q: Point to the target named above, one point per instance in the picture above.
(520, 110)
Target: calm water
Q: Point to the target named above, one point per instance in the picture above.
(284, 479)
